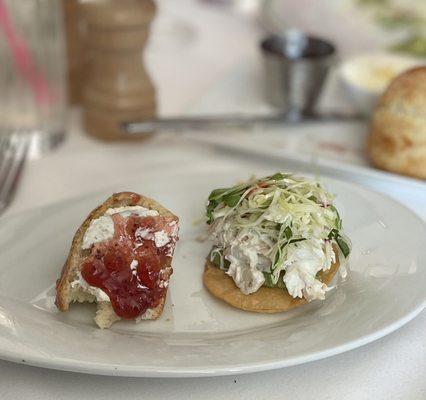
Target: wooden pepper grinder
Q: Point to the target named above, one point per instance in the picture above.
(75, 60)
(118, 88)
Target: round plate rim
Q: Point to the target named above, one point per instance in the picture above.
(64, 364)
(184, 372)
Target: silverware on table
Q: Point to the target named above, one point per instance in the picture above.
(207, 123)
(13, 152)
(296, 66)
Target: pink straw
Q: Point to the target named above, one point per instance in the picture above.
(23, 59)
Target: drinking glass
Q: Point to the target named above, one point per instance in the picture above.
(32, 72)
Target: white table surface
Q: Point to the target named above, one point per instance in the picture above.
(390, 368)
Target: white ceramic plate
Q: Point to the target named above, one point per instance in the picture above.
(198, 335)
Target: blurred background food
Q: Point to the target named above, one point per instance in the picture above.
(397, 140)
(365, 77)
(357, 26)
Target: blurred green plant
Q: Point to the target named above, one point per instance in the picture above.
(396, 17)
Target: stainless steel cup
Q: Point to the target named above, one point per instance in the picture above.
(295, 67)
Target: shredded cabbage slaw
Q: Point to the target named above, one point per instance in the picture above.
(277, 231)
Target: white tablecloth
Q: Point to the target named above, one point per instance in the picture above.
(391, 368)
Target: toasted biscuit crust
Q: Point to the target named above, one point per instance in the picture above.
(64, 294)
(397, 140)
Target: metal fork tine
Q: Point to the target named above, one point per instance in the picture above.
(4, 147)
(6, 152)
(13, 152)
(11, 159)
(12, 167)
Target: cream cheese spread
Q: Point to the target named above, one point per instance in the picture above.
(102, 228)
(80, 284)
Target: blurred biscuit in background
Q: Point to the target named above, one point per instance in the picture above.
(397, 140)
